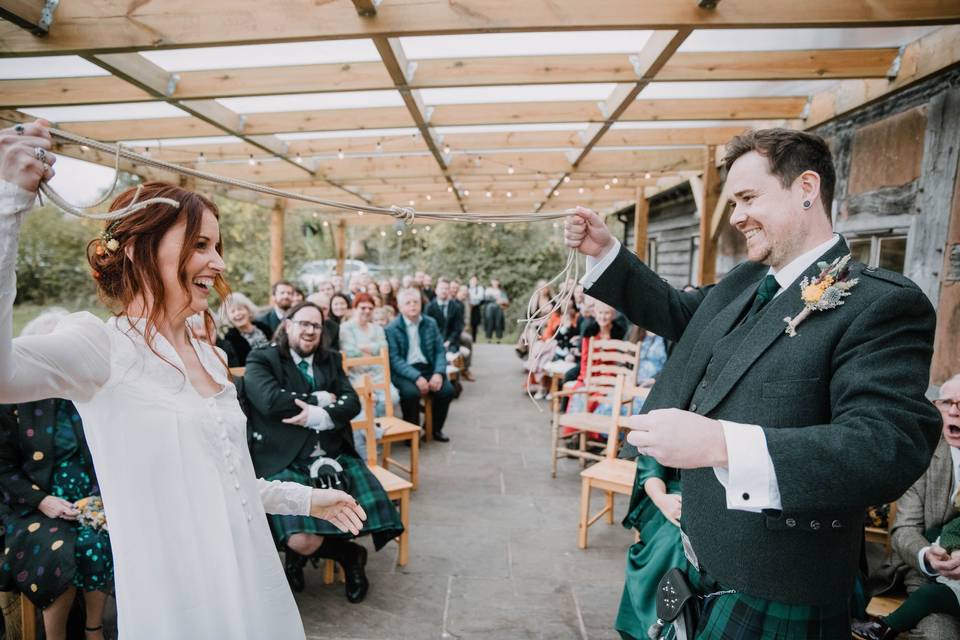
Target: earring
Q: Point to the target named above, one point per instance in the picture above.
(806, 204)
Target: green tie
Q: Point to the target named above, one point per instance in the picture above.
(304, 367)
(765, 292)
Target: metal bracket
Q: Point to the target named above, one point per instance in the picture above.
(46, 16)
(708, 4)
(172, 82)
(806, 109)
(242, 123)
(894, 69)
(427, 114)
(635, 63)
(409, 71)
(571, 155)
(603, 109)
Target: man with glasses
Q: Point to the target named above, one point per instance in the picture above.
(921, 513)
(301, 404)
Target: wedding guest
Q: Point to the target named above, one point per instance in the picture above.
(331, 328)
(448, 313)
(495, 302)
(387, 289)
(383, 316)
(301, 405)
(283, 293)
(45, 470)
(245, 333)
(361, 336)
(932, 573)
(339, 308)
(476, 293)
(418, 363)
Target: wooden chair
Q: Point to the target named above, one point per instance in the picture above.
(396, 487)
(606, 360)
(394, 429)
(880, 535)
(611, 474)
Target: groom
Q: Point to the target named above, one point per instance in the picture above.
(782, 440)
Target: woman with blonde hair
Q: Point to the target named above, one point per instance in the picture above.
(195, 558)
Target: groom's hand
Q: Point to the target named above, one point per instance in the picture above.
(586, 232)
(679, 439)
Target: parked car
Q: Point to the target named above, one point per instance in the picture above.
(311, 273)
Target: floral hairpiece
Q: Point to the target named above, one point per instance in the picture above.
(108, 243)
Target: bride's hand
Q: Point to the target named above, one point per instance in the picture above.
(339, 508)
(20, 161)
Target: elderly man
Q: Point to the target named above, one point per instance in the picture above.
(301, 403)
(418, 362)
(283, 293)
(921, 513)
(785, 432)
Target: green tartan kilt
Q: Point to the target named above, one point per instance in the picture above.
(383, 519)
(738, 616)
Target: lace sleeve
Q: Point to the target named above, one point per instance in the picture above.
(73, 362)
(285, 498)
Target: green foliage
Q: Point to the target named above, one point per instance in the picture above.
(52, 266)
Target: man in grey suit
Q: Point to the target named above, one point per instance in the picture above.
(925, 508)
(783, 440)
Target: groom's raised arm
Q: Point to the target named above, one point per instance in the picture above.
(617, 277)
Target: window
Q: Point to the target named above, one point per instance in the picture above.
(887, 251)
(694, 278)
(652, 253)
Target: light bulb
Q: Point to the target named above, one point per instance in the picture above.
(299, 159)
(413, 231)
(201, 158)
(340, 154)
(399, 232)
(411, 203)
(479, 160)
(488, 194)
(326, 223)
(615, 180)
(510, 169)
(429, 197)
(606, 187)
(580, 190)
(493, 225)
(466, 192)
(427, 228)
(646, 175)
(449, 189)
(146, 152)
(556, 192)
(383, 234)
(509, 194)
(566, 179)
(84, 147)
(379, 148)
(251, 161)
(446, 148)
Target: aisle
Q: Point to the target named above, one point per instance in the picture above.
(493, 538)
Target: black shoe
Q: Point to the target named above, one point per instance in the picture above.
(293, 566)
(875, 629)
(439, 437)
(356, 576)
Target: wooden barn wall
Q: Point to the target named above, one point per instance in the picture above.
(673, 225)
(897, 171)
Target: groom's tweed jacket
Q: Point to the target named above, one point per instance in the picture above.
(841, 404)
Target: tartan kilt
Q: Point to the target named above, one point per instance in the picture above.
(383, 519)
(738, 616)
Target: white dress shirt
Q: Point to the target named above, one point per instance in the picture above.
(750, 479)
(317, 417)
(414, 353)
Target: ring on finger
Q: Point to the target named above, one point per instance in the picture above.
(19, 128)
(40, 154)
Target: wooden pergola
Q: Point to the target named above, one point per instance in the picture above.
(469, 155)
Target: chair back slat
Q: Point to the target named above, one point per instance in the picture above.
(381, 360)
(364, 389)
(606, 358)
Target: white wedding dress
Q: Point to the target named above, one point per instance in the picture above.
(192, 550)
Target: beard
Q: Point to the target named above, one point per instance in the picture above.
(305, 352)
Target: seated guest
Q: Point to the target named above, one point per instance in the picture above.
(339, 308)
(448, 313)
(383, 316)
(283, 293)
(601, 327)
(325, 286)
(361, 336)
(426, 287)
(301, 404)
(45, 470)
(932, 610)
(466, 338)
(418, 362)
(331, 328)
(386, 289)
(298, 295)
(245, 334)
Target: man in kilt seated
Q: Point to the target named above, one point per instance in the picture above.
(300, 407)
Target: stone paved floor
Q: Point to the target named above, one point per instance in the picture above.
(493, 549)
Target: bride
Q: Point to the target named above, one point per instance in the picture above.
(193, 553)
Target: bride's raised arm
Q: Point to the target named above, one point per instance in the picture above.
(73, 362)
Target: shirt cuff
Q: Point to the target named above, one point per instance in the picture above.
(750, 480)
(318, 419)
(922, 563)
(596, 266)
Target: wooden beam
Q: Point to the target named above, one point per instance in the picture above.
(116, 25)
(778, 65)
(366, 8)
(641, 217)
(397, 66)
(68, 91)
(35, 16)
(790, 107)
(276, 240)
(707, 266)
(921, 58)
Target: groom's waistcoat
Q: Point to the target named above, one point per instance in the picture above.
(842, 406)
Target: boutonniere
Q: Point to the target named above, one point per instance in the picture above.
(824, 292)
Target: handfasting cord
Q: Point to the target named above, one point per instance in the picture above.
(537, 315)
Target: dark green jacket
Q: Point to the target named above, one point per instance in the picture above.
(841, 404)
(271, 383)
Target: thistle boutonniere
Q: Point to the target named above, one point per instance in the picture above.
(824, 292)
